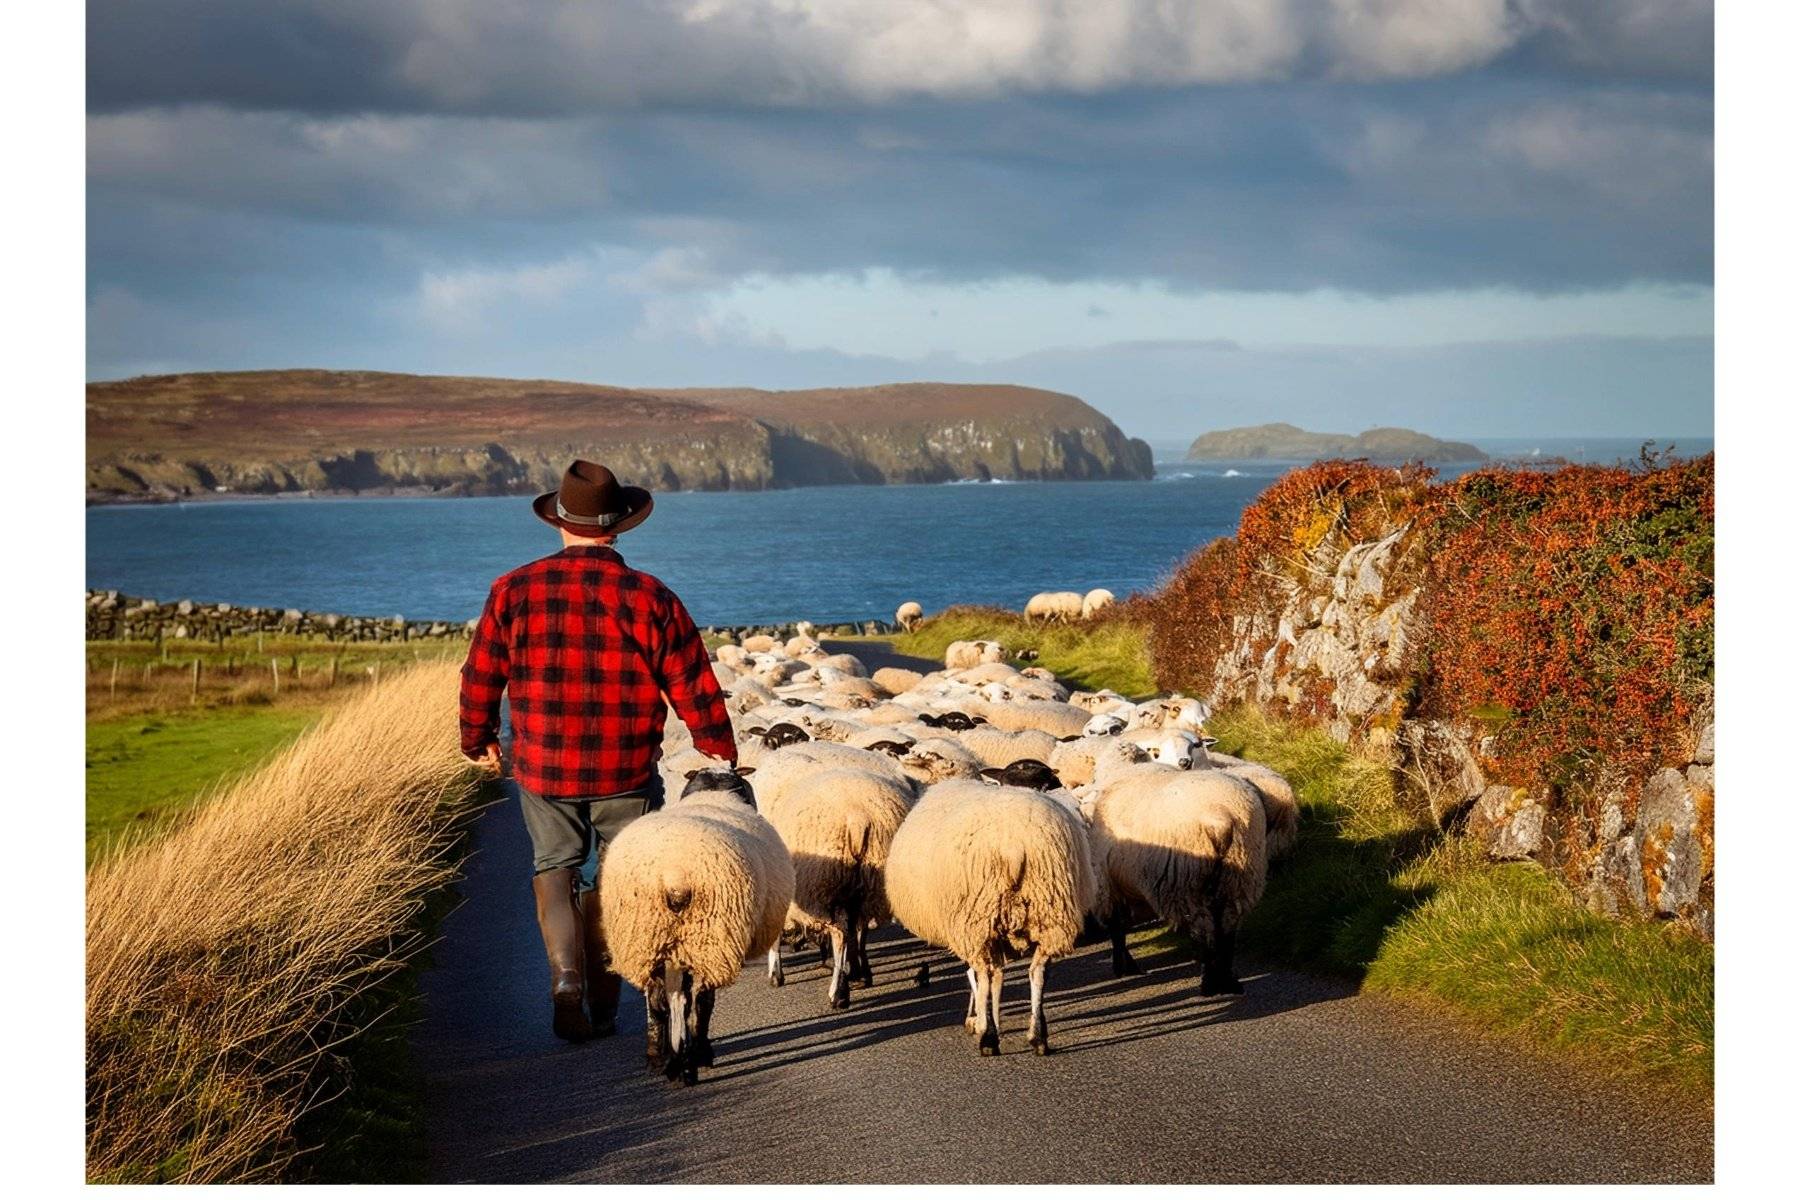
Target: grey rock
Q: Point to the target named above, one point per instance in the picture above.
(1617, 885)
(1668, 843)
(1510, 823)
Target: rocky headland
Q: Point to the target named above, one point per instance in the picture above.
(1289, 442)
(347, 432)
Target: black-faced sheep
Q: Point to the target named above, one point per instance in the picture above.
(686, 894)
(838, 824)
(991, 873)
(1186, 846)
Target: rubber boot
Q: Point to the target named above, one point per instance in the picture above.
(602, 984)
(559, 920)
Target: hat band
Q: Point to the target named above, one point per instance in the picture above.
(603, 520)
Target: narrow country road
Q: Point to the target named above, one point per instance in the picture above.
(1298, 1080)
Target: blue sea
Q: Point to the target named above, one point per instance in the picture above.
(826, 554)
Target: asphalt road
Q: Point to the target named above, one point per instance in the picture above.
(1297, 1080)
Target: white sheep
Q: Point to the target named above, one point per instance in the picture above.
(1176, 747)
(1094, 601)
(894, 680)
(962, 655)
(686, 894)
(909, 615)
(936, 759)
(987, 672)
(838, 824)
(1280, 806)
(1052, 716)
(1053, 606)
(759, 643)
(990, 873)
(799, 645)
(1187, 846)
(1172, 712)
(999, 747)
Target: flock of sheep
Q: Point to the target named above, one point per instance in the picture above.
(987, 808)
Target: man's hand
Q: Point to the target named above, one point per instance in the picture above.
(488, 760)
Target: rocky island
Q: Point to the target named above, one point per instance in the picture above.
(1283, 441)
(273, 432)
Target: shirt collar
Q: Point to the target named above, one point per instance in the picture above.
(606, 552)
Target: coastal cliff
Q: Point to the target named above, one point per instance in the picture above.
(271, 432)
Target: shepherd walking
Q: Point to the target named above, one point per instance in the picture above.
(590, 653)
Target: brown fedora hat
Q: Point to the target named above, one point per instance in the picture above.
(591, 502)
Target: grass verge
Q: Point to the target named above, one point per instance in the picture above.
(1110, 652)
(144, 771)
(1371, 894)
(232, 962)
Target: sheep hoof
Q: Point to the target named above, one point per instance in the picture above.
(654, 1063)
(777, 980)
(923, 977)
(703, 1052)
(990, 1043)
(1039, 1038)
(1216, 986)
(1126, 966)
(1041, 1045)
(838, 1002)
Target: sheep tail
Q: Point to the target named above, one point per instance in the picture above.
(856, 833)
(678, 889)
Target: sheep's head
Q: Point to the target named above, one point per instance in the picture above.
(892, 749)
(929, 765)
(784, 734)
(1104, 724)
(727, 780)
(953, 720)
(1025, 773)
(1026, 655)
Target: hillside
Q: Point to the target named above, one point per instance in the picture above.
(267, 432)
(1283, 441)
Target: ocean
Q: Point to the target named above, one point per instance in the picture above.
(736, 558)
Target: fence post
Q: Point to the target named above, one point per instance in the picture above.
(112, 688)
(194, 693)
(275, 670)
(334, 671)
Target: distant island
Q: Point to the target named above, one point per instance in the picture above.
(1281, 440)
(344, 432)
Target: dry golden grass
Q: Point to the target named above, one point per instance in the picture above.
(221, 957)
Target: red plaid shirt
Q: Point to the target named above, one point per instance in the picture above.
(585, 647)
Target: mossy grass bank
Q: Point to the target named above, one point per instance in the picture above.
(1105, 652)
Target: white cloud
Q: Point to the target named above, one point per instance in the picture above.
(458, 299)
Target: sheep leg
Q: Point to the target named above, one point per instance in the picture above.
(703, 1010)
(861, 974)
(974, 991)
(838, 992)
(1122, 962)
(987, 1037)
(681, 1067)
(1040, 1029)
(656, 1006)
(994, 993)
(1216, 975)
(777, 976)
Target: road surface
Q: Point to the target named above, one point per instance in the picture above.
(1298, 1080)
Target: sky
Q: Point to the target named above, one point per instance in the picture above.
(1474, 217)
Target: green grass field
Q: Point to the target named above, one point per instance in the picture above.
(145, 770)
(1109, 654)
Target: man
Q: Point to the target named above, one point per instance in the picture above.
(588, 651)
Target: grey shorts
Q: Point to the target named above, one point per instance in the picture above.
(573, 832)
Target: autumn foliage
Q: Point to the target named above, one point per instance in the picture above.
(1567, 612)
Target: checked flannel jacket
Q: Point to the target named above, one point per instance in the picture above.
(586, 649)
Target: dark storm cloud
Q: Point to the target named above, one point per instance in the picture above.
(1451, 184)
(560, 57)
